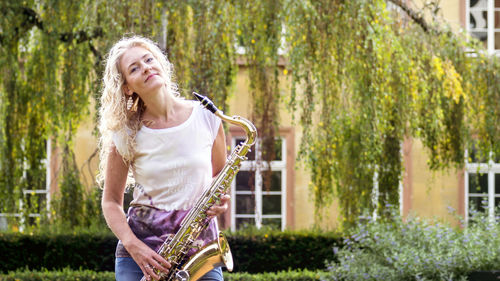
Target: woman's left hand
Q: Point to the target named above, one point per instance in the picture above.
(216, 210)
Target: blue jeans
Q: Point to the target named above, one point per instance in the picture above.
(127, 270)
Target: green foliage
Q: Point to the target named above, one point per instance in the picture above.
(365, 80)
(259, 32)
(93, 251)
(302, 275)
(253, 252)
(69, 208)
(83, 275)
(271, 251)
(44, 85)
(362, 80)
(51, 56)
(61, 275)
(200, 43)
(418, 250)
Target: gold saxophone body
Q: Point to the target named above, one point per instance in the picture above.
(216, 253)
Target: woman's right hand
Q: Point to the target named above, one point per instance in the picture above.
(112, 207)
(148, 260)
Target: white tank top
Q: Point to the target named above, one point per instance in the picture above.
(173, 166)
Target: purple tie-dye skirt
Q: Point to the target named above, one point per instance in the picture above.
(153, 226)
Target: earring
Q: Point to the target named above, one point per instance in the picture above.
(134, 106)
(129, 102)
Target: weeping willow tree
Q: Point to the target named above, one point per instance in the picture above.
(51, 58)
(363, 79)
(44, 94)
(370, 79)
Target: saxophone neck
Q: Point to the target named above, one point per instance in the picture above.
(246, 125)
(250, 130)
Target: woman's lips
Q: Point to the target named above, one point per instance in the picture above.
(150, 77)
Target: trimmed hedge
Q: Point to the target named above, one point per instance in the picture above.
(76, 251)
(85, 275)
(61, 275)
(254, 253)
(297, 275)
(277, 251)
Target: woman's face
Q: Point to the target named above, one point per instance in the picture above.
(142, 71)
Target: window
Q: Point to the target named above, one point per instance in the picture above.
(482, 184)
(255, 200)
(483, 22)
(36, 200)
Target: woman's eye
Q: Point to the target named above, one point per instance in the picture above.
(149, 59)
(133, 69)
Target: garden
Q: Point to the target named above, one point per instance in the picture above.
(395, 249)
(360, 78)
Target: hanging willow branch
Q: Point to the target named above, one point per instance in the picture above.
(416, 17)
(30, 19)
(361, 82)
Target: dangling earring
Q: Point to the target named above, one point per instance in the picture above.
(134, 106)
(129, 103)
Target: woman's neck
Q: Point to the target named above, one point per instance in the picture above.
(159, 105)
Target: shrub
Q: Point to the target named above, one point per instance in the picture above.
(84, 275)
(61, 275)
(85, 251)
(253, 251)
(290, 275)
(417, 250)
(272, 250)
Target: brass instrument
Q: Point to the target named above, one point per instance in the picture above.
(216, 253)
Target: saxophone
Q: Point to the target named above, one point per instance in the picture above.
(218, 252)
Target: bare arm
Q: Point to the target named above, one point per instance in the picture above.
(112, 202)
(219, 152)
(218, 162)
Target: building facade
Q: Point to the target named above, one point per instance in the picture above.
(286, 201)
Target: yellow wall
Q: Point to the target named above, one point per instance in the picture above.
(85, 145)
(449, 11)
(432, 193)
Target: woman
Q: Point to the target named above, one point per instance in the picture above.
(172, 148)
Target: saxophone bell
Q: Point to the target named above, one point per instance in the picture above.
(215, 254)
(181, 275)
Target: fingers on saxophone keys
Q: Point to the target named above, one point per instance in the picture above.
(148, 272)
(161, 264)
(225, 199)
(214, 211)
(151, 275)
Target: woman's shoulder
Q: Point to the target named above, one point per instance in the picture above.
(187, 105)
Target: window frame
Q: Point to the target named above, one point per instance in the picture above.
(37, 192)
(490, 169)
(257, 167)
(490, 25)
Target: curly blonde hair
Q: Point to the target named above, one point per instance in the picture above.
(116, 122)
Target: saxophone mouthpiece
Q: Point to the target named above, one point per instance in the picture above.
(206, 102)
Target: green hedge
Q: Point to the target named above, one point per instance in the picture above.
(84, 275)
(61, 275)
(291, 275)
(77, 251)
(276, 250)
(253, 252)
